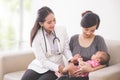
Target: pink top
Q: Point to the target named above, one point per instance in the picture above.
(93, 63)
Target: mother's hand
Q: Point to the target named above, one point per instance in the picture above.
(84, 69)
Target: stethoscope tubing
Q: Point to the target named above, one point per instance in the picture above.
(56, 38)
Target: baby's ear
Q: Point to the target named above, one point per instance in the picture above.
(98, 60)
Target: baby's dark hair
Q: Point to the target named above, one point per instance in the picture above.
(105, 61)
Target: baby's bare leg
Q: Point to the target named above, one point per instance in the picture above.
(71, 69)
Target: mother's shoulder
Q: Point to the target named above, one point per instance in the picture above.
(98, 36)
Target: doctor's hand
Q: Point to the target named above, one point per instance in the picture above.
(59, 72)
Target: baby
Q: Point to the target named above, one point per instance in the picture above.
(100, 58)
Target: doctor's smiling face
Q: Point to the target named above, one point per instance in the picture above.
(49, 23)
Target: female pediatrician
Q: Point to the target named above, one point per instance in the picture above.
(49, 44)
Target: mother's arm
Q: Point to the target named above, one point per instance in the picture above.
(87, 68)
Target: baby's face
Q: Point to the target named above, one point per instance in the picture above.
(99, 55)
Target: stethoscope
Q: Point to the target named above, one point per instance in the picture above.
(55, 39)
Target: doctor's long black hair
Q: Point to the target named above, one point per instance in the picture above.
(41, 15)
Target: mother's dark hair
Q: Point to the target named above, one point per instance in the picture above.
(41, 15)
(90, 19)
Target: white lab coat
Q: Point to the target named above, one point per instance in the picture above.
(48, 61)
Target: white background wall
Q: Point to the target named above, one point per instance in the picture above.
(68, 14)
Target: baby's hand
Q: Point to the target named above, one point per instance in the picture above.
(82, 63)
(80, 59)
(77, 55)
(75, 58)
